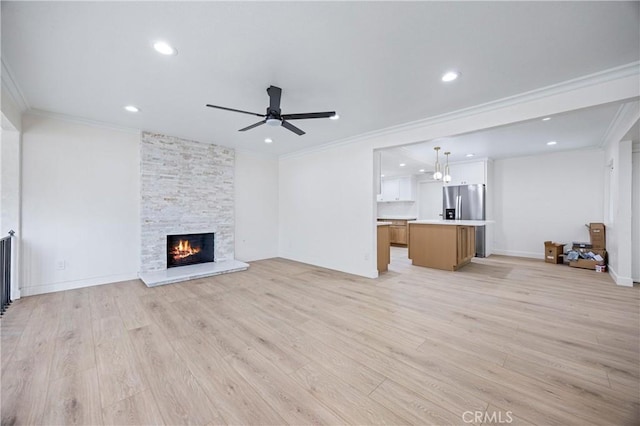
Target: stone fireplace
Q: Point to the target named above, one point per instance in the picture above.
(187, 187)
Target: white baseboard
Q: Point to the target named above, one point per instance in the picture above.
(70, 285)
(529, 254)
(621, 281)
(347, 270)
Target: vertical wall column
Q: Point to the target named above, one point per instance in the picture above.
(10, 194)
(618, 179)
(187, 187)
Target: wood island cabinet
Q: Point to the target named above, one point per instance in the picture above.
(447, 247)
(384, 249)
(398, 232)
(466, 248)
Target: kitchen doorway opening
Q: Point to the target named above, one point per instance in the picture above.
(400, 180)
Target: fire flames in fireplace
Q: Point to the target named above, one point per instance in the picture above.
(183, 250)
(190, 249)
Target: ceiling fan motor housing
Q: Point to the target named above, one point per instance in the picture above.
(274, 118)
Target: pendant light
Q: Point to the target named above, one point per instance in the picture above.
(438, 173)
(447, 173)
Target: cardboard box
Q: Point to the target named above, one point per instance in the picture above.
(588, 263)
(580, 246)
(553, 252)
(597, 235)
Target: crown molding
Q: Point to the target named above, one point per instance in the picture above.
(84, 121)
(10, 86)
(615, 121)
(625, 118)
(612, 74)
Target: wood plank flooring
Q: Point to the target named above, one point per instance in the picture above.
(503, 340)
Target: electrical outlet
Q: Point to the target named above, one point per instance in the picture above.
(366, 256)
(60, 265)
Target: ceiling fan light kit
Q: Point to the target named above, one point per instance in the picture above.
(274, 118)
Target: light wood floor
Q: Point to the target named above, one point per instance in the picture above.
(288, 343)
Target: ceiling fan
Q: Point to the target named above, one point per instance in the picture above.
(273, 116)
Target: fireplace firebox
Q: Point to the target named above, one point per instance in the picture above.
(190, 249)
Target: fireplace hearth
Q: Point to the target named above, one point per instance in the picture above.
(190, 249)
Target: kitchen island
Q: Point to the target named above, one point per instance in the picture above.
(443, 244)
(384, 247)
(398, 229)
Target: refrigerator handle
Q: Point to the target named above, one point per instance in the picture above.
(458, 206)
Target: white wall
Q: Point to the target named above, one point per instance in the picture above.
(618, 195)
(327, 199)
(429, 199)
(10, 195)
(398, 208)
(635, 215)
(545, 197)
(10, 164)
(618, 210)
(256, 208)
(10, 110)
(327, 209)
(80, 205)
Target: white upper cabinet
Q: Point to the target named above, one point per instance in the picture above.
(468, 173)
(390, 190)
(398, 189)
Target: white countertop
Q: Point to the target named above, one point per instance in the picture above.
(397, 218)
(452, 222)
(383, 223)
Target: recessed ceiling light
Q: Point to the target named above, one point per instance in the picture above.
(164, 48)
(421, 170)
(132, 108)
(552, 143)
(268, 140)
(381, 175)
(546, 119)
(402, 164)
(450, 76)
(470, 155)
(335, 116)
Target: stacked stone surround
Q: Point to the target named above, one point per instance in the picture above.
(186, 188)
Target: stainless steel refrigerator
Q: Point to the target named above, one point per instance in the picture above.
(466, 202)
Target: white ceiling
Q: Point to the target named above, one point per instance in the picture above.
(377, 63)
(580, 129)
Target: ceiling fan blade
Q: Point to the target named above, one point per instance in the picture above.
(259, 123)
(275, 93)
(308, 115)
(236, 110)
(293, 128)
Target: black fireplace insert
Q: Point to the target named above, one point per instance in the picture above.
(190, 249)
